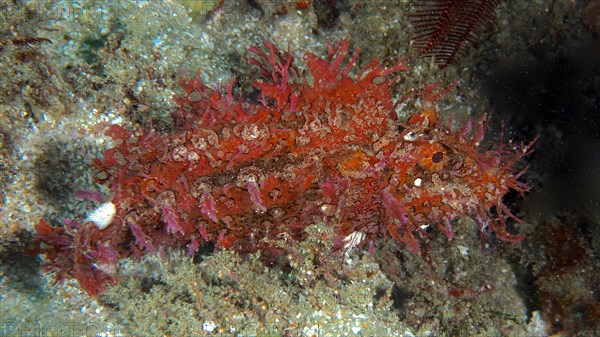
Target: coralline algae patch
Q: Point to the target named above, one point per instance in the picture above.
(321, 146)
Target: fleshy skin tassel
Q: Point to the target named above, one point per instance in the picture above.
(324, 147)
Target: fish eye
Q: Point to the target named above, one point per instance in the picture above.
(437, 157)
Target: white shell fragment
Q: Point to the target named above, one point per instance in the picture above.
(353, 240)
(209, 326)
(103, 216)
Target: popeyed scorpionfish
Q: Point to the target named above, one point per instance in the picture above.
(323, 146)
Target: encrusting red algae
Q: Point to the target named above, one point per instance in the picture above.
(320, 148)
